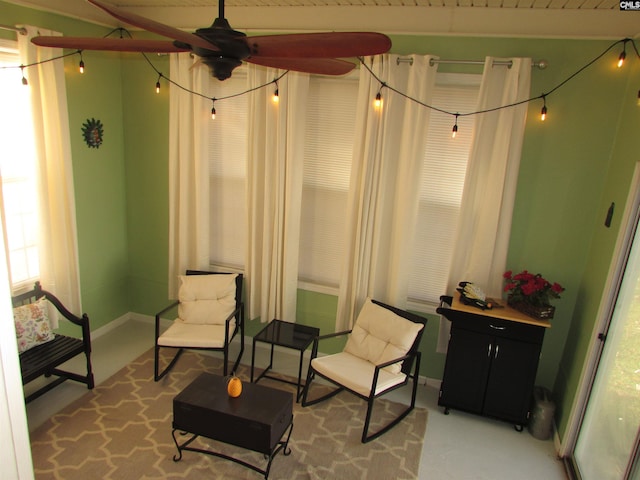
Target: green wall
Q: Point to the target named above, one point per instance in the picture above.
(573, 166)
(624, 156)
(146, 123)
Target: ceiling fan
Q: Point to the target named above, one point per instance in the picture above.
(223, 49)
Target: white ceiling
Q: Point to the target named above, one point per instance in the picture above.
(520, 18)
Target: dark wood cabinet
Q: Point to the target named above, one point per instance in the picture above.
(492, 361)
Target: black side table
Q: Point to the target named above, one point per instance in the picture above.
(284, 334)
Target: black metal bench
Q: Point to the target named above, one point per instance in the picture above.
(46, 358)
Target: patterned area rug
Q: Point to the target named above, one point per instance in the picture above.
(122, 430)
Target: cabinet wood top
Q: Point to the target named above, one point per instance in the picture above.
(504, 313)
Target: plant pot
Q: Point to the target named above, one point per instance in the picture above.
(545, 312)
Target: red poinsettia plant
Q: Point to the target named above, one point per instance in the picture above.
(529, 288)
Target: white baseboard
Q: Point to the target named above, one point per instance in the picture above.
(98, 332)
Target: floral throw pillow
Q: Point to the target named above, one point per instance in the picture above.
(32, 325)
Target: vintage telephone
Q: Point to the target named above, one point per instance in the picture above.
(471, 294)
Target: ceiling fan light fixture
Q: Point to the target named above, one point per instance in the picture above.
(221, 67)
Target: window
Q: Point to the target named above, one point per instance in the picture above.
(327, 166)
(445, 164)
(228, 172)
(17, 168)
(331, 115)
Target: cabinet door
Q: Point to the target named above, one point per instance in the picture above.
(510, 383)
(466, 370)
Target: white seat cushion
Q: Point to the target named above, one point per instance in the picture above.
(206, 299)
(379, 335)
(355, 373)
(182, 334)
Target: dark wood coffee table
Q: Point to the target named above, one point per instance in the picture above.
(256, 420)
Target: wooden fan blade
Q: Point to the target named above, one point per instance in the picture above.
(320, 66)
(319, 45)
(155, 27)
(113, 44)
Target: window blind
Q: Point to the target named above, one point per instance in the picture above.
(445, 163)
(331, 113)
(17, 165)
(228, 172)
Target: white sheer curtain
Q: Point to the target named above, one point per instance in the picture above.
(188, 170)
(482, 241)
(385, 176)
(58, 237)
(274, 189)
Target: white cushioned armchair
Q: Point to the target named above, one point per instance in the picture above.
(381, 355)
(210, 315)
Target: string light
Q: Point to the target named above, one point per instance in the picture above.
(377, 103)
(213, 109)
(276, 95)
(623, 55)
(543, 112)
(378, 99)
(24, 79)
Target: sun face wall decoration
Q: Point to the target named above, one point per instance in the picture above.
(92, 132)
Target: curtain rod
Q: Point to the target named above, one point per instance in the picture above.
(20, 30)
(541, 64)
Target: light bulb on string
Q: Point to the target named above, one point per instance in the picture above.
(213, 109)
(275, 98)
(454, 130)
(623, 54)
(24, 79)
(81, 64)
(638, 97)
(543, 112)
(158, 83)
(377, 103)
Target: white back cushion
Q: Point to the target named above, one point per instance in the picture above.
(379, 335)
(206, 299)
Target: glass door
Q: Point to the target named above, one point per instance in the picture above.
(607, 441)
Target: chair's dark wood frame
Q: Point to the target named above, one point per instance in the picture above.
(409, 361)
(46, 358)
(238, 313)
